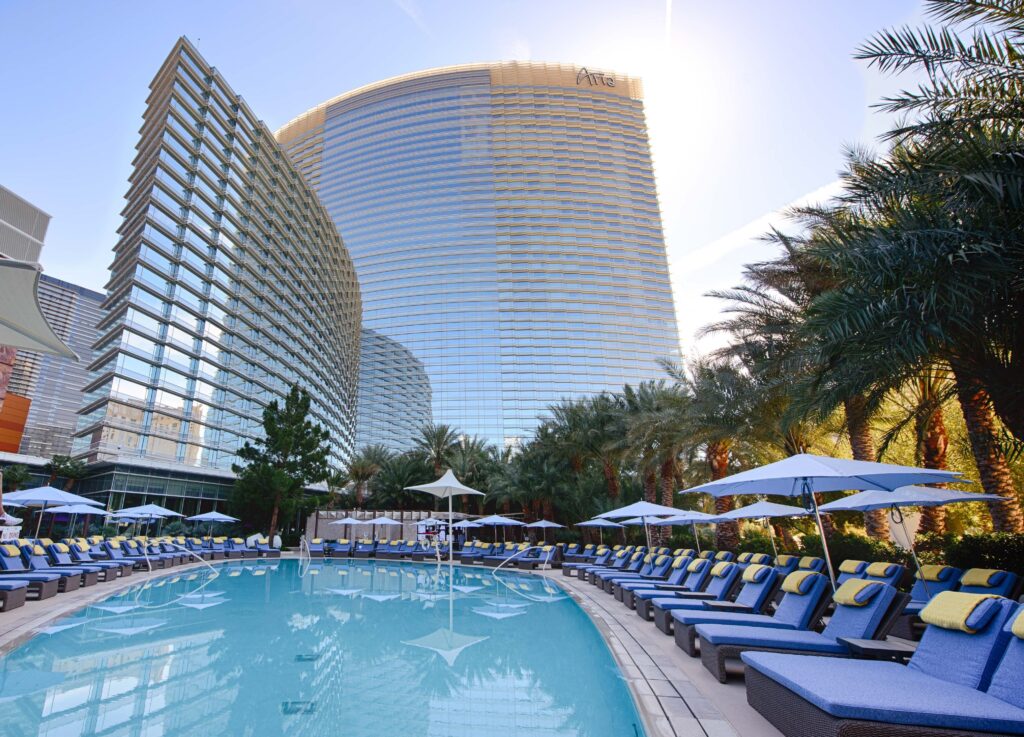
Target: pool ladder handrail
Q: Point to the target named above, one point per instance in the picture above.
(494, 573)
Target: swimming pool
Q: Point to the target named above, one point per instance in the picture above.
(329, 648)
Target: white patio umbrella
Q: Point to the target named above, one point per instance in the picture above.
(212, 517)
(348, 522)
(545, 525)
(446, 487)
(764, 510)
(601, 525)
(74, 510)
(803, 475)
(690, 517)
(383, 521)
(151, 512)
(496, 520)
(905, 496)
(640, 509)
(47, 496)
(22, 323)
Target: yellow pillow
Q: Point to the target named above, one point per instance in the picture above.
(38, 550)
(647, 558)
(952, 610)
(722, 555)
(696, 565)
(807, 562)
(343, 541)
(797, 582)
(61, 548)
(317, 540)
(660, 559)
(979, 577)
(752, 573)
(1017, 627)
(721, 568)
(82, 547)
(678, 562)
(850, 566)
(784, 560)
(10, 550)
(881, 570)
(637, 555)
(743, 557)
(856, 592)
(930, 573)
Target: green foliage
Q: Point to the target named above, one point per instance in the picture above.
(388, 487)
(848, 546)
(1001, 550)
(65, 467)
(175, 527)
(16, 476)
(754, 540)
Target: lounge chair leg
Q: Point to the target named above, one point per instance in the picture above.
(686, 639)
(713, 659)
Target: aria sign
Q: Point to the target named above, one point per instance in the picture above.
(595, 79)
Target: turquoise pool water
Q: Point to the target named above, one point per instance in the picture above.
(354, 648)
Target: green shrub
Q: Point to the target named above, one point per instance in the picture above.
(847, 546)
(1001, 550)
(174, 528)
(757, 541)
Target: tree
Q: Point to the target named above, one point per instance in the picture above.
(292, 454)
(65, 467)
(363, 466)
(437, 441)
(15, 477)
(401, 470)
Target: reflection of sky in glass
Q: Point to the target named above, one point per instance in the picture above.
(336, 648)
(507, 236)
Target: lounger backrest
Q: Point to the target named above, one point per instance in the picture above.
(697, 574)
(889, 573)
(723, 578)
(60, 554)
(850, 569)
(810, 563)
(951, 652)
(759, 583)
(933, 579)
(802, 600)
(661, 565)
(10, 558)
(861, 607)
(786, 564)
(1009, 673)
(706, 554)
(677, 570)
(724, 555)
(988, 581)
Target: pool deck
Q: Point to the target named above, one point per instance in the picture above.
(676, 695)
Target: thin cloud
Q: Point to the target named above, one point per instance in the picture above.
(413, 9)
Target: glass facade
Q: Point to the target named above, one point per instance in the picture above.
(54, 383)
(229, 284)
(505, 228)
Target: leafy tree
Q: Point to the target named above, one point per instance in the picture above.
(16, 476)
(437, 441)
(66, 467)
(388, 486)
(363, 466)
(292, 454)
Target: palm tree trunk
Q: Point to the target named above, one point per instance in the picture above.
(611, 479)
(876, 523)
(651, 487)
(988, 455)
(727, 534)
(668, 476)
(934, 442)
(273, 518)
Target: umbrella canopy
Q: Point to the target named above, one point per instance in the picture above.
(46, 496)
(796, 475)
(22, 324)
(151, 510)
(212, 517)
(446, 487)
(432, 521)
(760, 510)
(544, 524)
(466, 523)
(382, 520)
(496, 520)
(685, 517)
(639, 509)
(11, 504)
(905, 496)
(598, 523)
(75, 509)
(348, 521)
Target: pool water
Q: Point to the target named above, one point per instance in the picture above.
(355, 648)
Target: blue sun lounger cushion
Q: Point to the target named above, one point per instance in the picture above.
(850, 569)
(988, 581)
(943, 686)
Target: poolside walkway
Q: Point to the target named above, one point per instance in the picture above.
(678, 696)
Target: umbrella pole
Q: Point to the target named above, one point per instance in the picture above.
(910, 544)
(39, 522)
(821, 531)
(771, 536)
(696, 537)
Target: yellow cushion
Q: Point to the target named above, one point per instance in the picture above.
(878, 569)
(856, 592)
(930, 572)
(548, 548)
(38, 550)
(706, 554)
(850, 566)
(952, 610)
(696, 565)
(678, 562)
(752, 573)
(978, 576)
(62, 548)
(637, 555)
(743, 557)
(784, 560)
(1017, 627)
(722, 555)
(807, 561)
(317, 540)
(10, 550)
(647, 558)
(342, 541)
(795, 582)
(721, 568)
(761, 558)
(82, 547)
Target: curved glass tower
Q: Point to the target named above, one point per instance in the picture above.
(504, 224)
(229, 284)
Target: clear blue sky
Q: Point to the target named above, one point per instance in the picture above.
(749, 101)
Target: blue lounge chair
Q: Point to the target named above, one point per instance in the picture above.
(116, 552)
(584, 554)
(964, 679)
(602, 558)
(850, 569)
(811, 563)
(468, 552)
(721, 579)
(364, 549)
(70, 554)
(13, 593)
(570, 549)
(545, 555)
(805, 598)
(929, 581)
(745, 559)
(316, 547)
(340, 548)
(887, 573)
(988, 581)
(655, 569)
(698, 575)
(786, 564)
(34, 557)
(389, 549)
(82, 552)
(41, 585)
(677, 574)
(863, 610)
(633, 564)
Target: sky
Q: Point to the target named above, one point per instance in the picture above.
(749, 102)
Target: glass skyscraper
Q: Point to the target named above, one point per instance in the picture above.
(504, 224)
(229, 283)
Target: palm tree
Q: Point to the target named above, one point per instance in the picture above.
(61, 466)
(388, 486)
(363, 466)
(437, 441)
(16, 476)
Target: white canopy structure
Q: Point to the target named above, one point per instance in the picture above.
(22, 324)
(446, 487)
